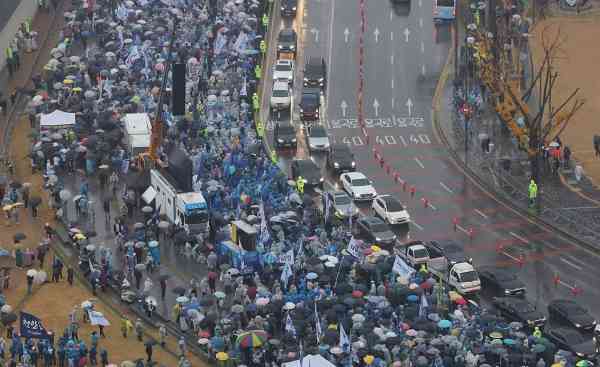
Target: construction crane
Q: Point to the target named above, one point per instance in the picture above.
(156, 137)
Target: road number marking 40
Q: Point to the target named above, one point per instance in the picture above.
(407, 140)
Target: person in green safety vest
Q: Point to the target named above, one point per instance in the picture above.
(255, 102)
(537, 332)
(274, 157)
(423, 270)
(10, 60)
(258, 71)
(533, 189)
(265, 21)
(300, 184)
(263, 47)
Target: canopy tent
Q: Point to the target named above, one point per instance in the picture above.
(311, 360)
(139, 141)
(137, 124)
(57, 119)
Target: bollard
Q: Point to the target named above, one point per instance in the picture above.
(404, 185)
(499, 248)
(576, 291)
(381, 162)
(521, 260)
(388, 169)
(367, 139)
(455, 223)
(413, 190)
(471, 233)
(425, 202)
(556, 280)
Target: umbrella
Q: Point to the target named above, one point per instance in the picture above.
(538, 348)
(140, 267)
(182, 299)
(222, 356)
(127, 364)
(31, 272)
(237, 308)
(206, 301)
(15, 185)
(220, 295)
(444, 324)
(178, 290)
(19, 236)
(147, 209)
(6, 309)
(262, 301)
(289, 306)
(203, 341)
(312, 276)
(252, 339)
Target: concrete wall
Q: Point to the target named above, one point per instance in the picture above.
(26, 8)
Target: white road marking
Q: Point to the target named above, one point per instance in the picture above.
(419, 162)
(392, 36)
(460, 228)
(423, 70)
(576, 260)
(330, 51)
(392, 83)
(510, 256)
(420, 22)
(391, 14)
(431, 206)
(392, 59)
(571, 264)
(422, 47)
(420, 3)
(446, 188)
(417, 225)
(393, 99)
(481, 213)
(520, 238)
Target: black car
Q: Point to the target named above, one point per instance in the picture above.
(452, 250)
(519, 309)
(287, 41)
(500, 281)
(569, 312)
(285, 135)
(308, 170)
(583, 346)
(310, 102)
(375, 230)
(315, 73)
(340, 158)
(289, 7)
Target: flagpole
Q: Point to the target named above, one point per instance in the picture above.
(337, 276)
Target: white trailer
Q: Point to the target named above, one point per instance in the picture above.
(186, 209)
(138, 130)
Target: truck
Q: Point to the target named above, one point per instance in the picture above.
(186, 209)
(457, 271)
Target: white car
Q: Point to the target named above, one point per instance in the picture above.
(317, 137)
(358, 186)
(390, 210)
(283, 70)
(281, 97)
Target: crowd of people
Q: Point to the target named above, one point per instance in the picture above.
(303, 286)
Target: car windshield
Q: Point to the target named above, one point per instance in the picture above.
(283, 67)
(306, 166)
(280, 93)
(420, 253)
(342, 152)
(378, 227)
(342, 200)
(197, 217)
(468, 276)
(318, 132)
(361, 182)
(393, 205)
(449, 3)
(525, 307)
(286, 37)
(310, 99)
(286, 129)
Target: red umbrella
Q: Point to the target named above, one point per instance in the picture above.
(426, 285)
(204, 334)
(357, 294)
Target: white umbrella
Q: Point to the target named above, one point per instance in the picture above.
(40, 277)
(289, 306)
(6, 309)
(31, 272)
(220, 295)
(86, 304)
(203, 341)
(182, 299)
(262, 301)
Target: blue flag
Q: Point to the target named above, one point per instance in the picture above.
(31, 327)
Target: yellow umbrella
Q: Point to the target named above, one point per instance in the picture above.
(222, 356)
(68, 81)
(79, 237)
(375, 248)
(369, 359)
(77, 89)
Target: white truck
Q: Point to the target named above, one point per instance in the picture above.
(459, 274)
(186, 209)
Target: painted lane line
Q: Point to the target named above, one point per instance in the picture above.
(392, 59)
(419, 162)
(422, 47)
(391, 15)
(431, 206)
(510, 256)
(392, 35)
(571, 264)
(330, 51)
(460, 228)
(446, 188)
(416, 225)
(423, 70)
(520, 238)
(393, 99)
(576, 260)
(420, 3)
(420, 22)
(481, 213)
(392, 84)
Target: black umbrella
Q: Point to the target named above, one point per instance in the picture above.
(180, 291)
(19, 236)
(35, 201)
(343, 288)
(330, 337)
(8, 319)
(164, 277)
(313, 261)
(16, 185)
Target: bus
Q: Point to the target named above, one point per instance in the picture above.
(444, 10)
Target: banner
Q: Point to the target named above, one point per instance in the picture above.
(31, 327)
(354, 248)
(401, 268)
(97, 318)
(287, 258)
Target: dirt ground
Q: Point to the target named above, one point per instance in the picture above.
(577, 67)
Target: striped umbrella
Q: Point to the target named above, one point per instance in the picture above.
(252, 339)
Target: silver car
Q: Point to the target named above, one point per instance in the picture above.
(318, 140)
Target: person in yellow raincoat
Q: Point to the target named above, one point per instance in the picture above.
(126, 326)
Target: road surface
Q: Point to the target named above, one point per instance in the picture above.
(7, 8)
(404, 56)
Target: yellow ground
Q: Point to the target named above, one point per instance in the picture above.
(578, 68)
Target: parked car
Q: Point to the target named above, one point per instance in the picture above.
(341, 158)
(583, 346)
(452, 250)
(375, 230)
(281, 96)
(570, 313)
(284, 70)
(358, 186)
(315, 73)
(308, 170)
(390, 210)
(340, 204)
(501, 281)
(519, 309)
(285, 135)
(318, 139)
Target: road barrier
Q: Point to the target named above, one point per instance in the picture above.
(575, 291)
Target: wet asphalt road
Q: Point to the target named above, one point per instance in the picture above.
(7, 8)
(404, 56)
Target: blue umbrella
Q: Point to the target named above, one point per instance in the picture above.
(508, 341)
(413, 298)
(444, 324)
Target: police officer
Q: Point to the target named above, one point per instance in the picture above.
(9, 60)
(265, 22)
(258, 72)
(274, 157)
(532, 192)
(300, 185)
(255, 102)
(263, 47)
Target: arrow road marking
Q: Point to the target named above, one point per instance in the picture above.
(421, 22)
(406, 33)
(481, 213)
(446, 188)
(344, 106)
(376, 107)
(423, 69)
(393, 99)
(391, 14)
(419, 162)
(392, 87)
(376, 33)
(571, 264)
(409, 105)
(520, 238)
(346, 34)
(422, 47)
(315, 33)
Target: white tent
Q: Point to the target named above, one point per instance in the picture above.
(137, 124)
(57, 119)
(139, 141)
(311, 360)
